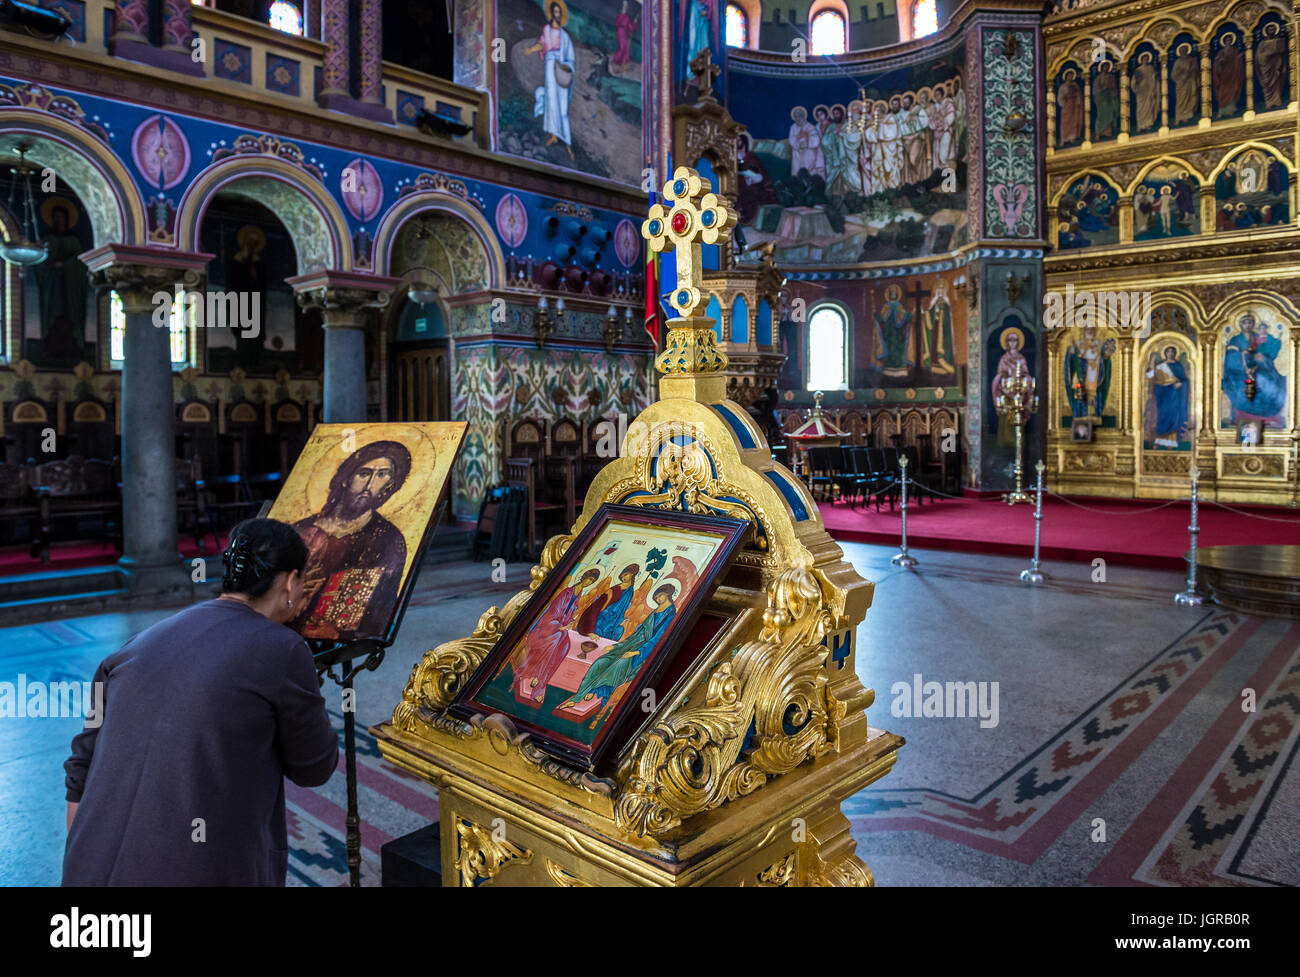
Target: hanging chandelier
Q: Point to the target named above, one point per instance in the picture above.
(26, 250)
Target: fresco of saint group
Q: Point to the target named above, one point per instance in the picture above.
(871, 178)
(1255, 371)
(1088, 214)
(1253, 189)
(1180, 104)
(1165, 204)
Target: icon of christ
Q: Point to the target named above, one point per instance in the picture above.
(355, 557)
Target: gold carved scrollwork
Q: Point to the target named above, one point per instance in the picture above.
(1267, 466)
(692, 348)
(565, 879)
(691, 761)
(781, 873)
(442, 673)
(672, 473)
(480, 855)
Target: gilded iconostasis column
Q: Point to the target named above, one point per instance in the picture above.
(1051, 120)
(1087, 108)
(1248, 38)
(1206, 461)
(1206, 101)
(1124, 104)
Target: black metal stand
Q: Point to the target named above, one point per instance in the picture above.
(370, 651)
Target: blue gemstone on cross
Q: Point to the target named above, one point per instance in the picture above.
(679, 188)
(656, 227)
(683, 297)
(707, 218)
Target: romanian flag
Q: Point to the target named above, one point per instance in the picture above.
(652, 288)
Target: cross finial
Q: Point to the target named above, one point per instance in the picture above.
(704, 70)
(698, 216)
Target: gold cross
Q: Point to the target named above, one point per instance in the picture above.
(698, 215)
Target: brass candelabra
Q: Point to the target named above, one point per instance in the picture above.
(1016, 400)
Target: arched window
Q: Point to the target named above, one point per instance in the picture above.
(737, 26)
(117, 330)
(827, 349)
(925, 17)
(287, 17)
(828, 34)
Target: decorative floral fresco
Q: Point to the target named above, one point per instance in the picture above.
(520, 382)
(569, 91)
(447, 247)
(1010, 121)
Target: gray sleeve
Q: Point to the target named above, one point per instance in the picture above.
(77, 766)
(305, 738)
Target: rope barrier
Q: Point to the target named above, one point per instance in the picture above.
(1131, 512)
(1253, 515)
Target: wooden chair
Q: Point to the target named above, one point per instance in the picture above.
(522, 473)
(19, 511)
(73, 490)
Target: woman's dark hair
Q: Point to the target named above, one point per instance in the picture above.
(258, 550)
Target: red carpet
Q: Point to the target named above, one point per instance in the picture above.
(1128, 533)
(14, 560)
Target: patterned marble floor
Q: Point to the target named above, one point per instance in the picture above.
(1121, 752)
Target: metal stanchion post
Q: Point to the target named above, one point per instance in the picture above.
(1034, 575)
(903, 558)
(1190, 597)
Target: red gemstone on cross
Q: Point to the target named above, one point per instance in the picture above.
(680, 220)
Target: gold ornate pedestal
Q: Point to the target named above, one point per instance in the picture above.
(737, 777)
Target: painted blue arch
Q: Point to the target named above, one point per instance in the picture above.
(763, 327)
(714, 312)
(740, 320)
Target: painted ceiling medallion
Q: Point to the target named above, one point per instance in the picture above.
(627, 242)
(512, 220)
(362, 192)
(161, 152)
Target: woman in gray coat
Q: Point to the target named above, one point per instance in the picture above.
(205, 714)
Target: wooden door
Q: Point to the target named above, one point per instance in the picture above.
(422, 386)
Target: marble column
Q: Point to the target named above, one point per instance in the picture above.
(149, 551)
(343, 299)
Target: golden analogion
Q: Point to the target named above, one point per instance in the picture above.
(737, 777)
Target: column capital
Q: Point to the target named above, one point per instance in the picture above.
(135, 272)
(341, 294)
